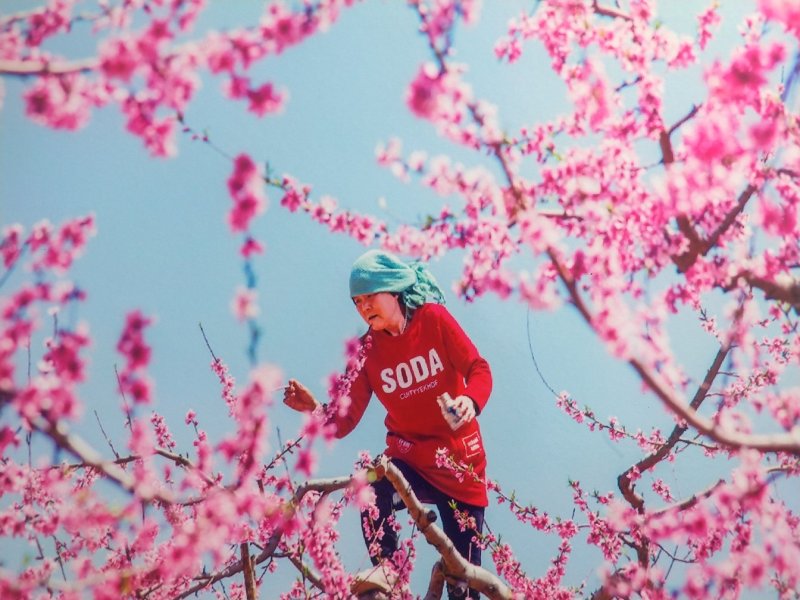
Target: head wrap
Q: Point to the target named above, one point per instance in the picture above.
(380, 271)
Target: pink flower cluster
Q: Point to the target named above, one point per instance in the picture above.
(662, 217)
(246, 189)
(133, 379)
(148, 72)
(364, 228)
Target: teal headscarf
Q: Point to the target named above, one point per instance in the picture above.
(380, 271)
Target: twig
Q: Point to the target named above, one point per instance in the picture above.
(108, 441)
(126, 406)
(208, 345)
(624, 481)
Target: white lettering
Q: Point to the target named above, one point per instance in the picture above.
(404, 375)
(420, 368)
(388, 381)
(416, 370)
(436, 362)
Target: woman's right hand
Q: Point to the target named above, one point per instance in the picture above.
(299, 397)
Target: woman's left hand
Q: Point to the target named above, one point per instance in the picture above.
(465, 409)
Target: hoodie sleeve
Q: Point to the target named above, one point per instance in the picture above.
(465, 357)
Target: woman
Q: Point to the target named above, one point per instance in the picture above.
(417, 353)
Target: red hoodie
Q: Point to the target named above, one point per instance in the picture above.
(407, 373)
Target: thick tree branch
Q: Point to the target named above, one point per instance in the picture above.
(436, 584)
(249, 576)
(455, 566)
(788, 292)
(775, 442)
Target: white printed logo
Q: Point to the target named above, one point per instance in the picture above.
(472, 444)
(414, 371)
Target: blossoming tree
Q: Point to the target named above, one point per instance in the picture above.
(608, 210)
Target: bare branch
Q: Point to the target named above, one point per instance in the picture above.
(27, 68)
(108, 441)
(683, 120)
(249, 577)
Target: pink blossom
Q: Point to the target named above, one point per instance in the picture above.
(251, 247)
(783, 11)
(747, 74)
(265, 99)
(11, 244)
(707, 21)
(120, 58)
(777, 220)
(47, 21)
(306, 462)
(424, 94)
(137, 353)
(244, 304)
(246, 188)
(61, 101)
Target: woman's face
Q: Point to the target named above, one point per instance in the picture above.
(381, 311)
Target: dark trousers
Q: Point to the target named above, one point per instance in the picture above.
(388, 502)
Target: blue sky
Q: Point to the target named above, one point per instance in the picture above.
(163, 247)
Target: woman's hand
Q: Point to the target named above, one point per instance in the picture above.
(298, 397)
(457, 411)
(465, 409)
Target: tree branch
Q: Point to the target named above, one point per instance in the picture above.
(624, 481)
(688, 502)
(607, 11)
(436, 584)
(80, 449)
(249, 577)
(788, 292)
(27, 68)
(455, 565)
(729, 219)
(776, 442)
